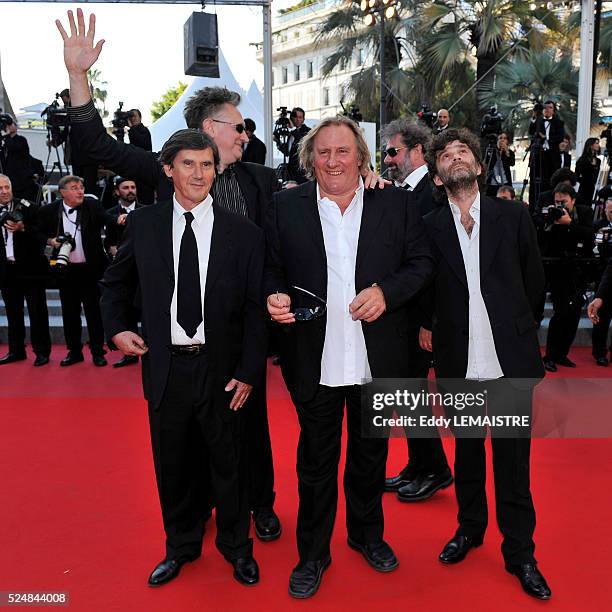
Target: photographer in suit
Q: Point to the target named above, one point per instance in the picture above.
(499, 162)
(255, 149)
(427, 469)
(549, 132)
(15, 160)
(291, 147)
(23, 275)
(196, 269)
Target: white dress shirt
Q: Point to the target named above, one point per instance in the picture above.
(69, 221)
(128, 209)
(483, 363)
(414, 178)
(202, 225)
(345, 358)
(8, 236)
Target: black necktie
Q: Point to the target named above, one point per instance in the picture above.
(189, 296)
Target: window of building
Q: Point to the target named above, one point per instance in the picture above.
(326, 96)
(309, 69)
(285, 74)
(296, 72)
(359, 57)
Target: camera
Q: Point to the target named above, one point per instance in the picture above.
(491, 125)
(603, 236)
(120, 121)
(426, 116)
(10, 215)
(56, 119)
(553, 213)
(352, 113)
(282, 125)
(61, 256)
(5, 120)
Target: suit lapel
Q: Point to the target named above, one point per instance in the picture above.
(373, 212)
(249, 191)
(312, 220)
(489, 233)
(163, 228)
(220, 247)
(447, 241)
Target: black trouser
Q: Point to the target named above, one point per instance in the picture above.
(79, 285)
(600, 332)
(198, 440)
(566, 292)
(513, 502)
(317, 469)
(15, 288)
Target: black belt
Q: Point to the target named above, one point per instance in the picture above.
(187, 349)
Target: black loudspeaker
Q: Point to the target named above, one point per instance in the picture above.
(201, 45)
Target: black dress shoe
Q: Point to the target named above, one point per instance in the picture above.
(403, 478)
(12, 357)
(378, 554)
(267, 525)
(41, 360)
(602, 361)
(531, 580)
(71, 359)
(565, 362)
(99, 361)
(126, 360)
(246, 570)
(549, 365)
(306, 578)
(424, 486)
(456, 550)
(166, 571)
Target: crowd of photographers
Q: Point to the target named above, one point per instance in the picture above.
(80, 233)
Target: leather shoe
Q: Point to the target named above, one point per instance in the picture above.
(456, 550)
(424, 486)
(41, 360)
(531, 580)
(565, 362)
(166, 570)
(12, 357)
(126, 360)
(267, 524)
(99, 361)
(71, 359)
(403, 478)
(246, 570)
(378, 554)
(602, 361)
(549, 365)
(306, 578)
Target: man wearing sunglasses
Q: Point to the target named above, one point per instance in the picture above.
(427, 470)
(241, 188)
(342, 263)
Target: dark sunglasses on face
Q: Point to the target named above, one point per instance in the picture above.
(393, 151)
(239, 127)
(308, 314)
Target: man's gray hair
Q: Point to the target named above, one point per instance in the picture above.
(69, 178)
(207, 102)
(306, 146)
(3, 176)
(412, 134)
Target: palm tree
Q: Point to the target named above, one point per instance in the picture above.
(98, 93)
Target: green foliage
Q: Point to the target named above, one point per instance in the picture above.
(165, 103)
(97, 87)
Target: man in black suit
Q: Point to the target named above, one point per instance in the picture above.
(291, 148)
(565, 157)
(15, 162)
(23, 273)
(427, 470)
(548, 130)
(255, 149)
(84, 219)
(196, 271)
(127, 202)
(488, 286)
(140, 137)
(243, 188)
(363, 255)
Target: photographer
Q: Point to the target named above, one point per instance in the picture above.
(139, 133)
(15, 159)
(255, 149)
(565, 157)
(566, 235)
(23, 272)
(73, 228)
(126, 193)
(442, 122)
(587, 170)
(499, 160)
(289, 147)
(546, 132)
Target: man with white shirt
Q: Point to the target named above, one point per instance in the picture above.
(84, 219)
(341, 265)
(427, 470)
(195, 268)
(487, 289)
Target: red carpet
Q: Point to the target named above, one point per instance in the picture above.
(79, 513)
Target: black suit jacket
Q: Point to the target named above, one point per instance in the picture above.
(566, 160)
(604, 291)
(140, 136)
(556, 134)
(423, 196)
(93, 219)
(512, 285)
(114, 232)
(392, 252)
(255, 151)
(95, 145)
(143, 273)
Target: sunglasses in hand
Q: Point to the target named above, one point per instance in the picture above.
(308, 314)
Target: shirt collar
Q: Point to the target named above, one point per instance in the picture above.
(474, 208)
(130, 208)
(198, 212)
(414, 178)
(67, 209)
(321, 199)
